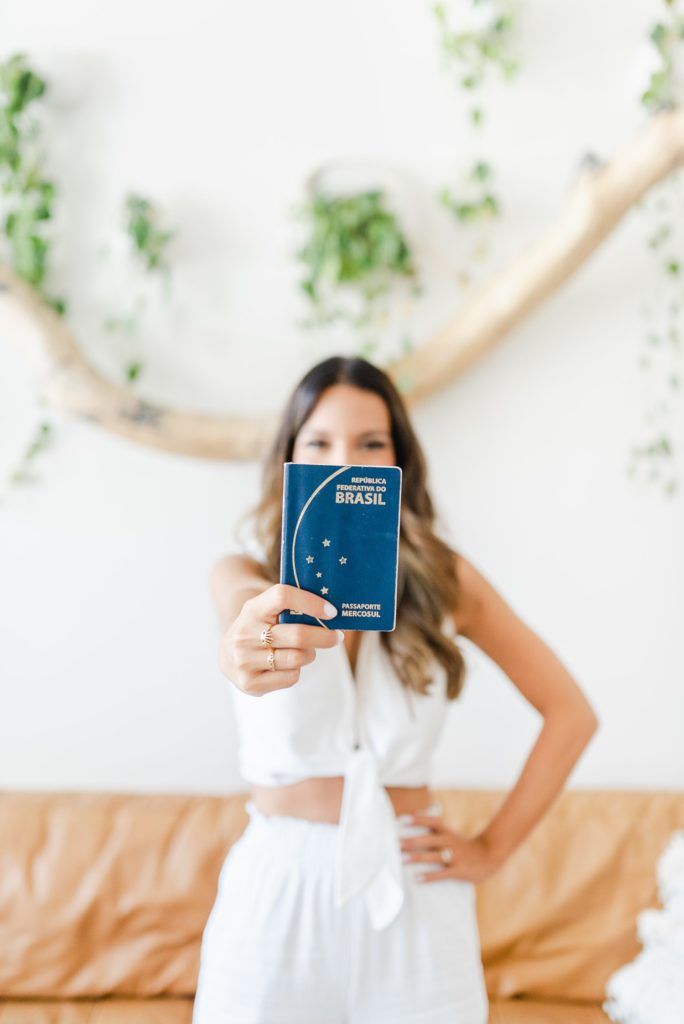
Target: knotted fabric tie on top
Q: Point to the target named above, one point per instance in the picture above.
(368, 851)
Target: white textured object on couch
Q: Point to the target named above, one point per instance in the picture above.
(650, 989)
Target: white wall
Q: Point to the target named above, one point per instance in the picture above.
(108, 652)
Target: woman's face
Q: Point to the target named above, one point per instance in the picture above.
(348, 425)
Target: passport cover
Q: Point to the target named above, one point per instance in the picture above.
(340, 539)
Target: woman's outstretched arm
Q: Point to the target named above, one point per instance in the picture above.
(234, 578)
(490, 623)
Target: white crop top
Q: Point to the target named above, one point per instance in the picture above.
(373, 731)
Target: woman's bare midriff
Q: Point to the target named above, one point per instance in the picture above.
(319, 799)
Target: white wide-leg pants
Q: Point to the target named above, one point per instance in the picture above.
(275, 950)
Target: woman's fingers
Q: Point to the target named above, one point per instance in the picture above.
(292, 643)
(428, 845)
(284, 658)
(429, 855)
(434, 841)
(295, 634)
(268, 605)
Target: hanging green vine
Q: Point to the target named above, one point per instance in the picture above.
(355, 243)
(150, 243)
(481, 203)
(27, 200)
(27, 195)
(661, 357)
(475, 52)
(26, 209)
(664, 87)
(42, 438)
(487, 44)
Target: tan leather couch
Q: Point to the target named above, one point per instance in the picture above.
(103, 898)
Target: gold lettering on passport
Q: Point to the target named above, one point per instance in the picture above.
(361, 490)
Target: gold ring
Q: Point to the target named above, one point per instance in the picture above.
(266, 637)
(271, 660)
(447, 854)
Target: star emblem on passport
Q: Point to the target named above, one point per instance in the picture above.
(326, 569)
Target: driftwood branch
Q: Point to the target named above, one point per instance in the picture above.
(600, 196)
(68, 382)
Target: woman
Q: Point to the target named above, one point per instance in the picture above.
(348, 899)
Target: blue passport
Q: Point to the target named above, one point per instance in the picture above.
(340, 539)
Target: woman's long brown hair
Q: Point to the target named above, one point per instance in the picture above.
(427, 583)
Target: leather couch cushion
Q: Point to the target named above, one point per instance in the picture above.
(107, 894)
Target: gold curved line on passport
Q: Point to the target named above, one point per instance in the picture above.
(311, 497)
